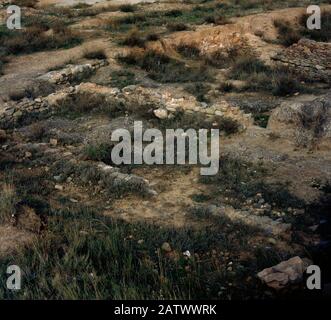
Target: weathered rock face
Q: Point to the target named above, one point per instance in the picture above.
(309, 59)
(307, 123)
(285, 273)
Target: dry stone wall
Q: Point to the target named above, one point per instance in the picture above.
(164, 103)
(308, 58)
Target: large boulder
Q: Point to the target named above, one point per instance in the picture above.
(307, 123)
(285, 273)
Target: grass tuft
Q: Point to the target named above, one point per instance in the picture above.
(8, 200)
(162, 68)
(95, 54)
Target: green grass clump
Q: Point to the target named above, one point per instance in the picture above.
(188, 51)
(127, 8)
(77, 105)
(8, 200)
(244, 67)
(100, 152)
(133, 39)
(95, 54)
(173, 27)
(25, 3)
(280, 81)
(218, 20)
(288, 35)
(261, 119)
(164, 69)
(182, 120)
(34, 38)
(200, 197)
(123, 78)
(199, 90)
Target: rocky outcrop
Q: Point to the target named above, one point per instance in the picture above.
(309, 59)
(308, 123)
(285, 273)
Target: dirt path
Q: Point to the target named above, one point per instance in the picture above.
(169, 207)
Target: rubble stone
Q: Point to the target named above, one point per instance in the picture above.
(308, 58)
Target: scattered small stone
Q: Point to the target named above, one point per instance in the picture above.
(53, 142)
(57, 178)
(67, 154)
(272, 241)
(314, 227)
(261, 201)
(267, 207)
(187, 253)
(161, 113)
(166, 247)
(58, 187)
